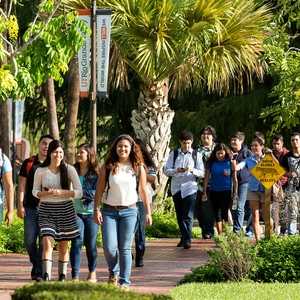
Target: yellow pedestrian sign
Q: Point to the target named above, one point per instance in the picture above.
(267, 171)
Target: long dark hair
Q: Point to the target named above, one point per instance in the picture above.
(213, 157)
(64, 179)
(93, 162)
(135, 155)
(146, 154)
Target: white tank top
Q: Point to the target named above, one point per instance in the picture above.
(122, 189)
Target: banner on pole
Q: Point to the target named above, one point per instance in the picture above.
(84, 56)
(16, 133)
(103, 47)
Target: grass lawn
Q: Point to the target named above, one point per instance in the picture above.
(239, 291)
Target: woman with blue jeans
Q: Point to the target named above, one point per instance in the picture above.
(124, 175)
(140, 236)
(87, 167)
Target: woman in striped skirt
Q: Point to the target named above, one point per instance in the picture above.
(56, 185)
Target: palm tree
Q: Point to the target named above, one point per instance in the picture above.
(174, 45)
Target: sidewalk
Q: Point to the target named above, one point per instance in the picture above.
(164, 265)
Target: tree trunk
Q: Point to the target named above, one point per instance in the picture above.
(4, 106)
(72, 110)
(152, 124)
(51, 108)
(4, 127)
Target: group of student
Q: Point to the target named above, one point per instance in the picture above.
(208, 175)
(61, 203)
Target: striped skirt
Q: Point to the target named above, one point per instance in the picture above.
(58, 220)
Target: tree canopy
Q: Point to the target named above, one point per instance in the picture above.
(43, 51)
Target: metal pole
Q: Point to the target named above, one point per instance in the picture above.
(93, 92)
(267, 213)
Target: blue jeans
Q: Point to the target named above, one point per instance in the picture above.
(31, 234)
(140, 237)
(88, 230)
(118, 229)
(184, 208)
(238, 214)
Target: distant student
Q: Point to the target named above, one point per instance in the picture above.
(28, 207)
(219, 173)
(184, 171)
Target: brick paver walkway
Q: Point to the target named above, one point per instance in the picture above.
(164, 265)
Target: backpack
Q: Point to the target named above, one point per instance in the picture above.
(137, 180)
(194, 155)
(29, 164)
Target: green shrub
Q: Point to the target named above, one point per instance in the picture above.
(234, 260)
(164, 225)
(278, 260)
(77, 290)
(207, 273)
(236, 256)
(12, 237)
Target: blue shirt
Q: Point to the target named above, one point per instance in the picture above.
(184, 182)
(220, 175)
(249, 163)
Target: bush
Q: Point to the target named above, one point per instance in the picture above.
(207, 273)
(278, 260)
(234, 260)
(236, 256)
(164, 225)
(12, 237)
(78, 290)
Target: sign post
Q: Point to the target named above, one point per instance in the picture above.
(93, 57)
(267, 172)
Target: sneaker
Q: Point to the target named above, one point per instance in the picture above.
(75, 278)
(39, 278)
(281, 234)
(180, 244)
(187, 245)
(33, 275)
(249, 234)
(113, 280)
(124, 287)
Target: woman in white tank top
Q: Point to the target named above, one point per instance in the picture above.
(124, 177)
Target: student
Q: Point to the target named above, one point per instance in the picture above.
(256, 191)
(291, 163)
(219, 173)
(140, 237)
(124, 175)
(6, 176)
(279, 152)
(204, 210)
(87, 167)
(184, 170)
(240, 152)
(28, 207)
(56, 185)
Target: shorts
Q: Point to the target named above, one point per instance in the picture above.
(256, 196)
